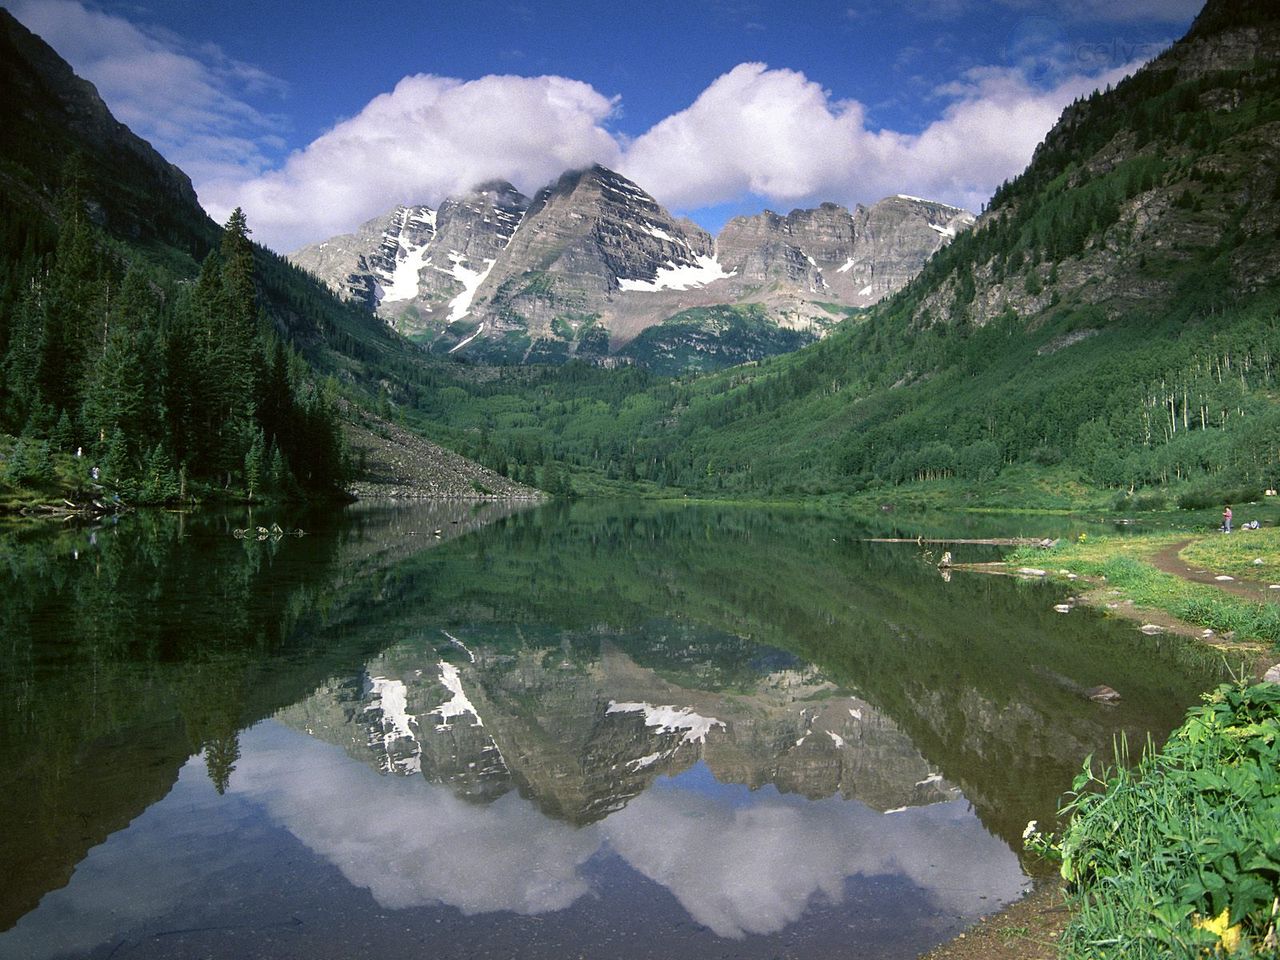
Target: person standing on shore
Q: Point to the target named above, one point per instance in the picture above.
(1226, 519)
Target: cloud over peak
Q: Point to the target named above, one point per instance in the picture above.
(779, 135)
(755, 131)
(429, 138)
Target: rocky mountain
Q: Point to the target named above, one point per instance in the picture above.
(584, 739)
(586, 242)
(595, 264)
(856, 257)
(362, 266)
(420, 266)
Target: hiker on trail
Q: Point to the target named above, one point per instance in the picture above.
(1226, 519)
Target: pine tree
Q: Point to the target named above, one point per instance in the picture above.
(64, 436)
(115, 395)
(21, 387)
(74, 308)
(224, 320)
(255, 465)
(159, 483)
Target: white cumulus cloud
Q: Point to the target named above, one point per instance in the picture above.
(779, 135)
(429, 138)
(754, 132)
(774, 133)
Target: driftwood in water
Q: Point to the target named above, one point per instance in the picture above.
(990, 542)
(66, 510)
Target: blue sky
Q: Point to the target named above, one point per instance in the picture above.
(317, 115)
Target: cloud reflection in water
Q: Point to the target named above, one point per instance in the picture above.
(736, 867)
(740, 862)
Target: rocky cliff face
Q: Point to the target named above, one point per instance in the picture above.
(49, 115)
(362, 265)
(587, 240)
(854, 258)
(593, 262)
(419, 267)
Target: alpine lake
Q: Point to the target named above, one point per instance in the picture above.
(479, 731)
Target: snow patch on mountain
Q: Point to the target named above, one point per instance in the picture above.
(458, 346)
(459, 704)
(655, 231)
(670, 719)
(404, 281)
(647, 761)
(702, 271)
(470, 279)
(626, 190)
(390, 701)
(391, 698)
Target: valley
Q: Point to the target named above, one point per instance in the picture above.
(530, 568)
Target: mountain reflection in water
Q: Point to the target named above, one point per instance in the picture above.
(649, 733)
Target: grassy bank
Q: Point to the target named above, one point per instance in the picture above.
(1179, 856)
(1125, 563)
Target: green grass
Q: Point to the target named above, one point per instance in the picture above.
(1180, 855)
(1235, 555)
(1124, 563)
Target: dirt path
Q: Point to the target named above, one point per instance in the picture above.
(1170, 561)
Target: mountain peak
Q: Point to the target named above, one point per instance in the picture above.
(495, 188)
(594, 261)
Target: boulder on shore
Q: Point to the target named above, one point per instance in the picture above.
(1102, 694)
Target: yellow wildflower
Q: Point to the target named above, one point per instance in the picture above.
(1228, 936)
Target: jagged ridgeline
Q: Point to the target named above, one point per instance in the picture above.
(593, 267)
(1112, 316)
(168, 352)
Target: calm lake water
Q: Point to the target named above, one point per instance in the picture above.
(457, 731)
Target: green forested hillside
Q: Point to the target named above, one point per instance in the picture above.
(1113, 318)
(154, 381)
(139, 341)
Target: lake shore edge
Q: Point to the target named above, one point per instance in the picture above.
(1030, 928)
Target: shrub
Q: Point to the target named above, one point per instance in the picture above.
(28, 463)
(1180, 855)
(1201, 499)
